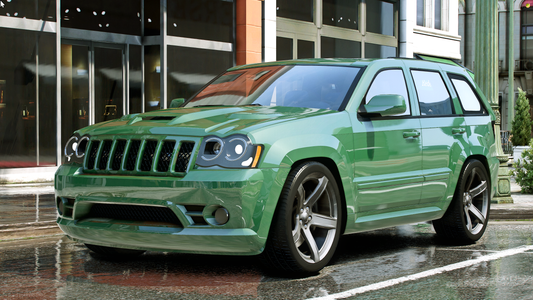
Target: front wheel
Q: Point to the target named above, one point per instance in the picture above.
(307, 223)
(466, 219)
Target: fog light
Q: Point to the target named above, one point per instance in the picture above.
(221, 216)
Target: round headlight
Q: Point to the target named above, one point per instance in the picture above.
(239, 146)
(71, 146)
(82, 147)
(213, 148)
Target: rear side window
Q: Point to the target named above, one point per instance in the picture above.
(467, 96)
(433, 97)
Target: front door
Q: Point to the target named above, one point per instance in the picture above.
(388, 153)
(92, 84)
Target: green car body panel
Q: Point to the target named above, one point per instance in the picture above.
(390, 171)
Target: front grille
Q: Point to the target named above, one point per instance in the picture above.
(161, 157)
(137, 213)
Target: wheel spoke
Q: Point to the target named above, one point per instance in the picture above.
(477, 214)
(468, 220)
(297, 236)
(319, 190)
(323, 221)
(300, 196)
(470, 180)
(310, 240)
(478, 189)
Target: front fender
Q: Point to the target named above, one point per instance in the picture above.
(288, 152)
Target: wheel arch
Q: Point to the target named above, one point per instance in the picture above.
(332, 166)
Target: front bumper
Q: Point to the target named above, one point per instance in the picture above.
(249, 195)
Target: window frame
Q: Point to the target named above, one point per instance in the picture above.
(408, 100)
(483, 110)
(454, 112)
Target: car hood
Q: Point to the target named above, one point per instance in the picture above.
(202, 121)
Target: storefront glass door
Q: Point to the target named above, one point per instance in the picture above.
(92, 85)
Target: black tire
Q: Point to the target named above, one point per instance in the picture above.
(307, 223)
(111, 252)
(467, 216)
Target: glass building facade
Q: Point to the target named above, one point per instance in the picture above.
(70, 64)
(114, 58)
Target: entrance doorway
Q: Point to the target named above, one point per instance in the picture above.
(93, 89)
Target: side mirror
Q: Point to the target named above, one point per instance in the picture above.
(177, 102)
(384, 105)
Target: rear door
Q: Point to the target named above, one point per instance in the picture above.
(444, 136)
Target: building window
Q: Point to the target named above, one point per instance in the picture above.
(526, 43)
(111, 16)
(431, 13)
(37, 10)
(186, 76)
(341, 13)
(380, 17)
(27, 99)
(344, 28)
(201, 19)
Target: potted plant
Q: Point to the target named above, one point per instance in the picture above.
(523, 171)
(521, 126)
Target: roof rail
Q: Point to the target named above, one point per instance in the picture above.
(443, 60)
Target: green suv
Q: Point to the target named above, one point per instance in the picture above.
(280, 159)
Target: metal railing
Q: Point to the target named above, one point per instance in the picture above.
(507, 146)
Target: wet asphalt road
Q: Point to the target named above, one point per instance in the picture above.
(378, 263)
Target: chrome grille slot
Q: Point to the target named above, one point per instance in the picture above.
(104, 156)
(118, 155)
(93, 152)
(184, 156)
(132, 155)
(165, 156)
(139, 155)
(148, 155)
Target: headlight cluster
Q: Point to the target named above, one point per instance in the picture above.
(235, 151)
(75, 148)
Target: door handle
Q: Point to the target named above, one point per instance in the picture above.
(411, 134)
(460, 130)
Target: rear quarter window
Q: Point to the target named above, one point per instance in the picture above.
(467, 96)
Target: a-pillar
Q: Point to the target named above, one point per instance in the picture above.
(486, 70)
(248, 42)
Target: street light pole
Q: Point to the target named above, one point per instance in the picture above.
(486, 70)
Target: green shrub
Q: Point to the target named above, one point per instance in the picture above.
(521, 126)
(523, 171)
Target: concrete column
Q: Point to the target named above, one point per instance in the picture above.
(510, 56)
(486, 70)
(269, 30)
(249, 33)
(407, 23)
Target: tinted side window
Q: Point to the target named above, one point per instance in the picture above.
(389, 82)
(432, 94)
(467, 96)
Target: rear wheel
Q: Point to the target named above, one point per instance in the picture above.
(307, 224)
(112, 252)
(466, 219)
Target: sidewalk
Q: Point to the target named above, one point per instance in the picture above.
(28, 210)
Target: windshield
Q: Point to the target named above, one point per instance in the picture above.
(314, 86)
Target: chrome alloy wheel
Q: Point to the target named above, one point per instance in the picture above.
(314, 218)
(475, 201)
